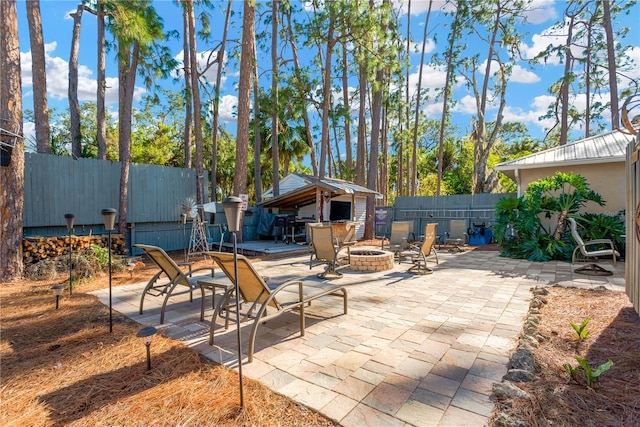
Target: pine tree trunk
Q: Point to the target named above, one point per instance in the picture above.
(305, 115)
(39, 78)
(216, 108)
(247, 60)
(326, 97)
(611, 61)
(197, 110)
(186, 62)
(275, 149)
(257, 138)
(101, 119)
(74, 105)
(346, 103)
(11, 176)
(127, 69)
(414, 140)
(362, 126)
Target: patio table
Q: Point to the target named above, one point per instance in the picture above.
(214, 284)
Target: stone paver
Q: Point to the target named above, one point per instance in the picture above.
(412, 351)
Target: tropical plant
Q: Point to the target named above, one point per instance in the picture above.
(582, 333)
(519, 229)
(562, 194)
(591, 374)
(603, 226)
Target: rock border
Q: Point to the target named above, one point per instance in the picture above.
(522, 366)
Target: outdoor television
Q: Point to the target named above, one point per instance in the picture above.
(340, 211)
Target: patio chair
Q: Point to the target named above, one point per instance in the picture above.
(175, 274)
(270, 302)
(591, 249)
(421, 251)
(400, 238)
(458, 234)
(326, 249)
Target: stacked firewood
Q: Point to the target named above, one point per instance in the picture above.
(35, 248)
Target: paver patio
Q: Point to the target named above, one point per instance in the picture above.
(413, 350)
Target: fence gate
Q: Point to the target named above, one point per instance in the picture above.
(632, 257)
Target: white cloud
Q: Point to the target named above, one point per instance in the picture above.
(29, 133)
(429, 46)
(633, 55)
(541, 11)
(552, 36)
(532, 116)
(539, 42)
(433, 109)
(203, 58)
(418, 7)
(58, 79)
(432, 78)
(354, 102)
(521, 75)
(228, 108)
(466, 104)
(309, 7)
(518, 73)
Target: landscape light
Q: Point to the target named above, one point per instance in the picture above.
(109, 217)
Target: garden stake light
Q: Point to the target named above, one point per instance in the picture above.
(233, 211)
(69, 218)
(147, 332)
(109, 217)
(57, 291)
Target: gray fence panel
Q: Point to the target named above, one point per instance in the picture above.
(56, 185)
(475, 208)
(156, 193)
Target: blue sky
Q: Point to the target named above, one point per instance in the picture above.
(527, 98)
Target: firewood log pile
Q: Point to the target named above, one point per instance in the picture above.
(36, 248)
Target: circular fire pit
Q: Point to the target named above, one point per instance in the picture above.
(371, 260)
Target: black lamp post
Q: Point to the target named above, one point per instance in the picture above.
(147, 332)
(69, 218)
(233, 211)
(109, 217)
(57, 291)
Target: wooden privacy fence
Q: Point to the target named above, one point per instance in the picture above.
(56, 185)
(632, 256)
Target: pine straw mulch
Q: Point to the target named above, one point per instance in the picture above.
(614, 335)
(64, 368)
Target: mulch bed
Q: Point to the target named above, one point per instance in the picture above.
(63, 367)
(614, 334)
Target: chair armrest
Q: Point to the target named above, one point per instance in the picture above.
(600, 242)
(191, 272)
(185, 264)
(295, 282)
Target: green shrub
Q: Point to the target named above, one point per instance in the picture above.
(519, 230)
(603, 226)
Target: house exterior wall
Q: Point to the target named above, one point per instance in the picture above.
(606, 179)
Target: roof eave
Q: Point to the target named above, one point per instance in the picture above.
(507, 167)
